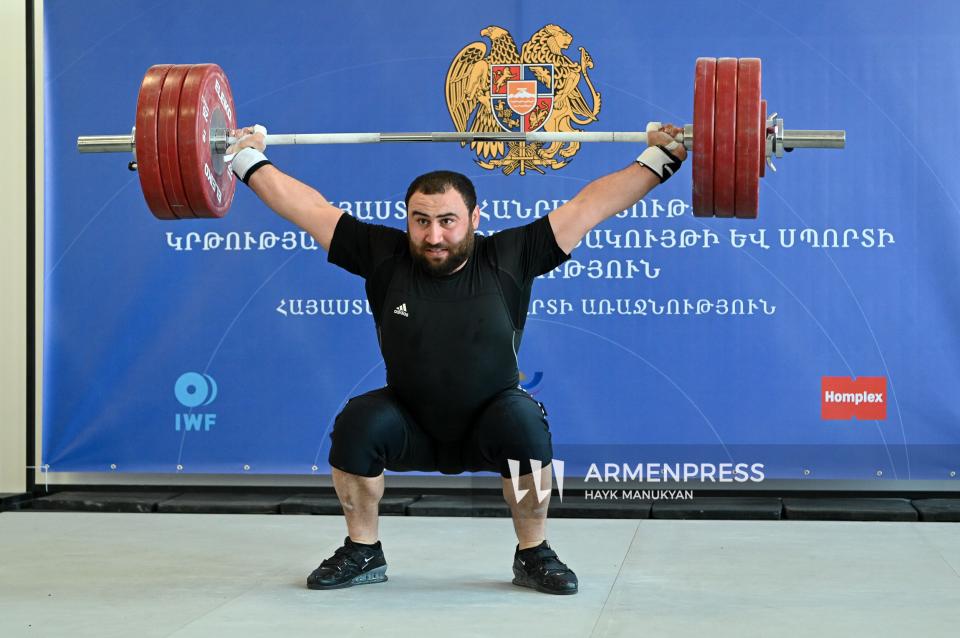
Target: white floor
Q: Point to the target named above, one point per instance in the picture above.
(78, 574)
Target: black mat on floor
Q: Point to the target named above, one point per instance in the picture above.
(12, 501)
(215, 503)
(575, 506)
(944, 510)
(478, 506)
(307, 504)
(849, 509)
(102, 501)
(719, 508)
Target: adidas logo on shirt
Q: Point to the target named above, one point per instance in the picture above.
(401, 310)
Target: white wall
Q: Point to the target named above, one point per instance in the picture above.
(13, 253)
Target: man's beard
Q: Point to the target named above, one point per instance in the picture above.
(457, 254)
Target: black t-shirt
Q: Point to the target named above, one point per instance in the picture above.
(449, 343)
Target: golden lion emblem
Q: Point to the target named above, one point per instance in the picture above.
(534, 88)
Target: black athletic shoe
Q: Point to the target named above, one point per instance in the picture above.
(350, 565)
(539, 568)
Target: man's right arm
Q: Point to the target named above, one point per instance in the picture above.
(288, 197)
(293, 200)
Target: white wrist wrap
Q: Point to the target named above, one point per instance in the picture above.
(660, 161)
(246, 159)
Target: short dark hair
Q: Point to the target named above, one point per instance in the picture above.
(437, 182)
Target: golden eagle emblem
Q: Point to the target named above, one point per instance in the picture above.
(533, 88)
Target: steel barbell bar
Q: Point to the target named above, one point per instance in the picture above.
(799, 138)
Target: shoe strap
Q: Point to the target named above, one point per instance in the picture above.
(342, 556)
(548, 561)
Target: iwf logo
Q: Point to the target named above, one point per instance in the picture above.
(194, 390)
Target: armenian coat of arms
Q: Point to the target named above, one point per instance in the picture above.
(535, 88)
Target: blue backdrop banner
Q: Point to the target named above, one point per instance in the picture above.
(819, 341)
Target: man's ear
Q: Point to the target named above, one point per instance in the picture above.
(475, 217)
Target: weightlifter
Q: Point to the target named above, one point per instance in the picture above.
(449, 308)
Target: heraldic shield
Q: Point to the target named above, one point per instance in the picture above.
(521, 96)
(520, 90)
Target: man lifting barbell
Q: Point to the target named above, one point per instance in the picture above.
(449, 308)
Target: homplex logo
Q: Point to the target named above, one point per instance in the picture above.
(845, 398)
(536, 466)
(194, 390)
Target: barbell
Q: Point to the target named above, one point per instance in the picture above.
(185, 111)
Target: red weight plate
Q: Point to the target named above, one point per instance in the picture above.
(749, 153)
(763, 138)
(167, 142)
(206, 103)
(145, 138)
(704, 95)
(725, 139)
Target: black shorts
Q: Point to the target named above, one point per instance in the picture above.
(375, 431)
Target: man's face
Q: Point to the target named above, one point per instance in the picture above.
(441, 230)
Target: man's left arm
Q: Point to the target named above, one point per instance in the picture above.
(605, 197)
